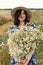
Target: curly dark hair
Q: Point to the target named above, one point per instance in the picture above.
(17, 14)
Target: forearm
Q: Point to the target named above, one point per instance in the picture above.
(27, 59)
(29, 56)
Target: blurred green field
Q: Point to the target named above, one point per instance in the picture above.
(5, 23)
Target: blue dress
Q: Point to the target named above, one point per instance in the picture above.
(33, 58)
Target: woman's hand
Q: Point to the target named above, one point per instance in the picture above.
(25, 61)
(22, 62)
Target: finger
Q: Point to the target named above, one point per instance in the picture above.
(26, 63)
(18, 64)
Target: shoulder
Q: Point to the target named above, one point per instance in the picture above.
(33, 25)
(11, 29)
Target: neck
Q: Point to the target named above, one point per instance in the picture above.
(22, 23)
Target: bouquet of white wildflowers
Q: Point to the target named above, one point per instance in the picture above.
(23, 41)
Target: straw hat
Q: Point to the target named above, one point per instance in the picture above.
(23, 8)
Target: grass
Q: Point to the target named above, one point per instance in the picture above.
(37, 18)
(4, 56)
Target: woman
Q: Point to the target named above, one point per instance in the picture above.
(21, 16)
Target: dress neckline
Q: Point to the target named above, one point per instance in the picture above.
(28, 24)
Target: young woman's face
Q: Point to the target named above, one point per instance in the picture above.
(22, 16)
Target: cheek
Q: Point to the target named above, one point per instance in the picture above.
(23, 16)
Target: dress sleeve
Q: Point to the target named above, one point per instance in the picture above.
(33, 25)
(33, 60)
(11, 29)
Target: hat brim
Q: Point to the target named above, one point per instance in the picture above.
(23, 8)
